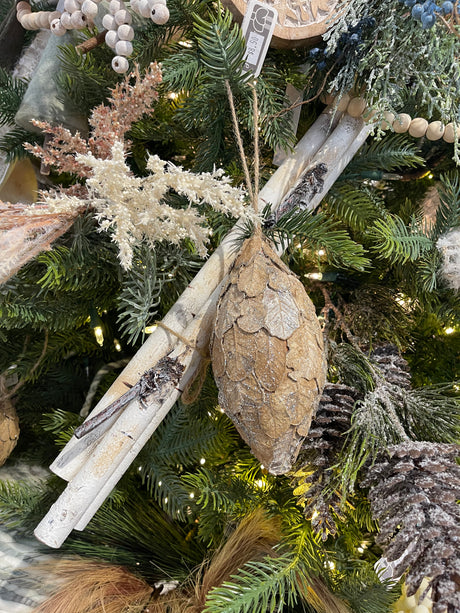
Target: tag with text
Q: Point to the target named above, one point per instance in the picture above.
(258, 25)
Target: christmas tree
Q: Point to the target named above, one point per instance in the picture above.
(229, 308)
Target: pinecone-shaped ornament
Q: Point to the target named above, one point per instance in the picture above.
(394, 367)
(319, 452)
(267, 355)
(414, 491)
(9, 429)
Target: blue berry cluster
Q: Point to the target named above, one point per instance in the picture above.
(349, 43)
(426, 12)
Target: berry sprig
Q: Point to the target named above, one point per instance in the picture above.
(428, 12)
(350, 44)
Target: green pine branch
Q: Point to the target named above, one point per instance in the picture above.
(318, 231)
(355, 205)
(448, 211)
(13, 90)
(397, 242)
(392, 153)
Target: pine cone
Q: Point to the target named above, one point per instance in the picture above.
(394, 367)
(319, 452)
(414, 491)
(9, 430)
(267, 355)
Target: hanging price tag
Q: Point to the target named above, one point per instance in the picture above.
(258, 25)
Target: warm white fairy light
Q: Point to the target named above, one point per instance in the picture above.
(150, 329)
(316, 276)
(202, 461)
(191, 495)
(449, 330)
(117, 345)
(98, 333)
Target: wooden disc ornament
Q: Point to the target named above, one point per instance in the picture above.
(300, 22)
(267, 355)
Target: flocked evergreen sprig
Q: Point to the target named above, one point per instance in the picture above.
(396, 51)
(414, 492)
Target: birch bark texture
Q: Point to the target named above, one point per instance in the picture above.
(331, 139)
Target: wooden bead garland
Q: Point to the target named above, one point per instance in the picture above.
(418, 127)
(79, 14)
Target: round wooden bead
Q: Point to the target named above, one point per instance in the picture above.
(57, 28)
(65, 20)
(78, 20)
(153, 2)
(115, 5)
(53, 15)
(135, 6)
(401, 123)
(21, 14)
(111, 38)
(122, 16)
(449, 133)
(42, 19)
(343, 102)
(369, 115)
(120, 64)
(144, 8)
(28, 21)
(435, 130)
(123, 47)
(108, 21)
(71, 6)
(387, 121)
(418, 127)
(125, 32)
(23, 6)
(356, 107)
(327, 98)
(159, 14)
(89, 8)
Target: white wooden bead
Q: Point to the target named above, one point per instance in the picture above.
(435, 130)
(29, 21)
(418, 127)
(21, 14)
(369, 115)
(65, 20)
(144, 8)
(123, 16)
(125, 32)
(449, 133)
(343, 102)
(135, 6)
(71, 6)
(401, 123)
(23, 6)
(159, 14)
(53, 15)
(115, 5)
(387, 121)
(42, 19)
(89, 8)
(120, 64)
(111, 38)
(57, 28)
(356, 107)
(123, 47)
(108, 21)
(153, 2)
(78, 20)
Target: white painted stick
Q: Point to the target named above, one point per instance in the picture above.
(160, 342)
(85, 493)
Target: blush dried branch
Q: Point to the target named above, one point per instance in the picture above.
(267, 355)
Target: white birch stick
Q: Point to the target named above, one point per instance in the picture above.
(98, 474)
(160, 342)
(112, 457)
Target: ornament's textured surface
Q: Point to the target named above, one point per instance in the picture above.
(267, 355)
(9, 430)
(415, 487)
(319, 452)
(394, 367)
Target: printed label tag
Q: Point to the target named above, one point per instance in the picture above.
(258, 25)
